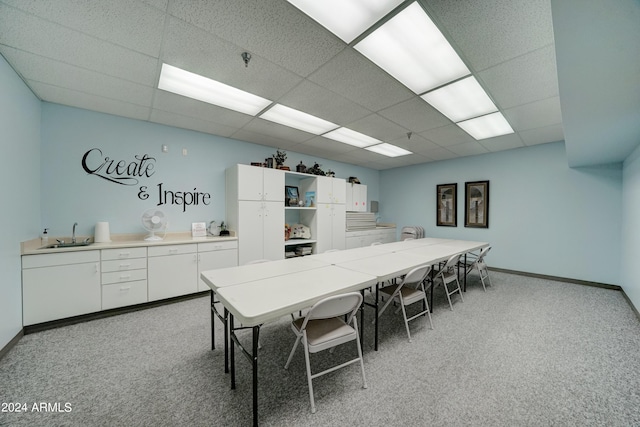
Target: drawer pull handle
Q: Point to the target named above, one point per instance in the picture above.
(125, 288)
(125, 265)
(173, 251)
(128, 276)
(124, 254)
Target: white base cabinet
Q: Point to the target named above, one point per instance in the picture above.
(55, 286)
(124, 277)
(361, 238)
(215, 255)
(173, 271)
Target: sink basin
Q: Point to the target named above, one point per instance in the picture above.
(66, 245)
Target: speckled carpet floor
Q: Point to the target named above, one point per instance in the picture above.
(528, 352)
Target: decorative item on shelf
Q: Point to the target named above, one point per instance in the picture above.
(301, 167)
(315, 170)
(291, 195)
(300, 231)
(301, 203)
(331, 173)
(310, 199)
(214, 229)
(279, 158)
(287, 232)
(258, 164)
(198, 229)
(223, 229)
(270, 162)
(353, 180)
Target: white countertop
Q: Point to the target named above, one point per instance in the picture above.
(35, 246)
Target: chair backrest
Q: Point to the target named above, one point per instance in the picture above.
(256, 261)
(451, 262)
(335, 306)
(408, 238)
(483, 253)
(417, 275)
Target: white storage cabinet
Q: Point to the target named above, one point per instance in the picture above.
(356, 197)
(215, 255)
(173, 270)
(124, 277)
(331, 213)
(55, 286)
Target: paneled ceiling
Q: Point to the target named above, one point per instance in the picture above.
(106, 56)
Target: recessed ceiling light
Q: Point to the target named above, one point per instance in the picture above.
(413, 50)
(351, 137)
(487, 126)
(388, 150)
(346, 19)
(185, 83)
(297, 119)
(461, 100)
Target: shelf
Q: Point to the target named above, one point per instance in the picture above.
(292, 242)
(301, 208)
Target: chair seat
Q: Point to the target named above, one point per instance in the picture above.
(409, 295)
(325, 333)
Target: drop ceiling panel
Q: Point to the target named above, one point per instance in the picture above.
(504, 142)
(468, 149)
(275, 130)
(535, 114)
(439, 154)
(72, 47)
(327, 145)
(160, 4)
(542, 135)
(415, 114)
(447, 136)
(276, 29)
(89, 102)
(378, 127)
(530, 77)
(170, 102)
(358, 79)
(201, 52)
(490, 32)
(262, 139)
(44, 70)
(416, 144)
(133, 25)
(321, 102)
(185, 122)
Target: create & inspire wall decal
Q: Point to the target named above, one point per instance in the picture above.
(130, 173)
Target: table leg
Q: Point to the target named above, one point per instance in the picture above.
(227, 339)
(232, 355)
(213, 329)
(375, 345)
(465, 272)
(362, 321)
(256, 335)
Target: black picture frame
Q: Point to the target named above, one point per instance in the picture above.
(446, 205)
(476, 204)
(291, 195)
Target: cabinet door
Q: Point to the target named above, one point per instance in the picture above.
(338, 225)
(324, 234)
(172, 275)
(250, 182)
(273, 185)
(51, 293)
(339, 191)
(213, 260)
(324, 189)
(360, 197)
(273, 231)
(250, 231)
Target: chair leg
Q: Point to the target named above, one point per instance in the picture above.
(406, 322)
(446, 291)
(293, 350)
(309, 380)
(364, 379)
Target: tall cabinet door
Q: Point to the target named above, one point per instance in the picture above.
(250, 231)
(273, 185)
(249, 182)
(339, 225)
(273, 230)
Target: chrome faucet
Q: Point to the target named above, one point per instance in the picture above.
(73, 236)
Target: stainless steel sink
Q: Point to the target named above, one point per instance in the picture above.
(66, 245)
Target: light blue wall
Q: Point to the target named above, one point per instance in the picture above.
(543, 216)
(71, 195)
(631, 227)
(20, 178)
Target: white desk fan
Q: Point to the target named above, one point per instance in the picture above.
(154, 220)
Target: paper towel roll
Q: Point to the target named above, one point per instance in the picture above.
(102, 234)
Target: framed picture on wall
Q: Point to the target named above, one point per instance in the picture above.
(476, 204)
(446, 196)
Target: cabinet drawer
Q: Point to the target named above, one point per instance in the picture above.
(62, 258)
(172, 250)
(217, 246)
(123, 253)
(124, 276)
(124, 264)
(123, 294)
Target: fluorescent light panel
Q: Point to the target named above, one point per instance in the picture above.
(297, 119)
(487, 126)
(388, 150)
(413, 50)
(461, 100)
(352, 137)
(185, 83)
(346, 19)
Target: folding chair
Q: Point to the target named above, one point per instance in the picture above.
(448, 275)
